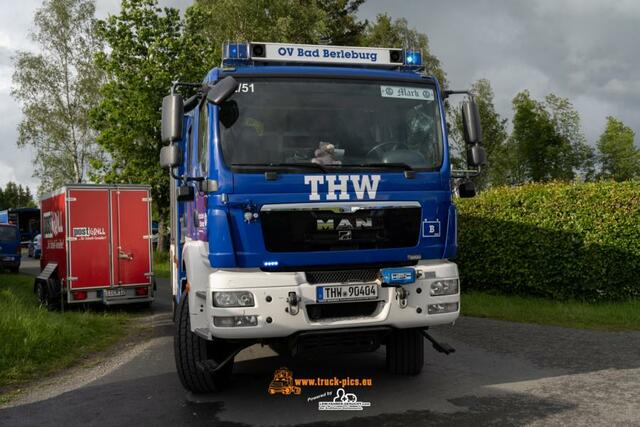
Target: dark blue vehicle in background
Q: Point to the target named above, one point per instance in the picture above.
(10, 251)
(26, 219)
(311, 206)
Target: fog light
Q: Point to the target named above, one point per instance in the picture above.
(233, 321)
(448, 307)
(444, 287)
(233, 299)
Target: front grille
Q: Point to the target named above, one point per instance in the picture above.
(342, 276)
(329, 230)
(341, 310)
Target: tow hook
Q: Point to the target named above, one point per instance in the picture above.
(401, 295)
(212, 366)
(293, 300)
(442, 347)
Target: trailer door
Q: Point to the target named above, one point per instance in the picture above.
(88, 236)
(132, 236)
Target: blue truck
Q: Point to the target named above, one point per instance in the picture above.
(311, 206)
(26, 219)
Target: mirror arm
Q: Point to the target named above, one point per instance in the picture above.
(176, 84)
(448, 93)
(465, 173)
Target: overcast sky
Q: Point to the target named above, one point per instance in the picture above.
(586, 50)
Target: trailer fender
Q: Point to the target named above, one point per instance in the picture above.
(195, 255)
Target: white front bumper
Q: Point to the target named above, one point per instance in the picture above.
(271, 293)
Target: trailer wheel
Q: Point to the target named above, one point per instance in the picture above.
(190, 349)
(43, 296)
(405, 352)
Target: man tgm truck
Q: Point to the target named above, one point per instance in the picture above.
(311, 203)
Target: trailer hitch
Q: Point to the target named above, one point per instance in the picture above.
(442, 347)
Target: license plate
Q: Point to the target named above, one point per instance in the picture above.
(118, 292)
(7, 258)
(346, 292)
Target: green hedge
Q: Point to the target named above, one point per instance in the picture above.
(558, 240)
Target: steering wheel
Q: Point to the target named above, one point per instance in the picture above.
(394, 146)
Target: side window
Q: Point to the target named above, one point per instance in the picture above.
(203, 133)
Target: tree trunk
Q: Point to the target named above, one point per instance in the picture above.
(162, 236)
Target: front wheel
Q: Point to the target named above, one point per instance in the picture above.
(191, 351)
(405, 352)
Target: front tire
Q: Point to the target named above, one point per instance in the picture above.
(405, 352)
(190, 350)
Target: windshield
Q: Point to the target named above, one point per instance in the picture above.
(336, 123)
(8, 233)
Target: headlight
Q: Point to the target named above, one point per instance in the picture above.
(233, 299)
(444, 287)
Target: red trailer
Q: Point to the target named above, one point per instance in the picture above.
(96, 245)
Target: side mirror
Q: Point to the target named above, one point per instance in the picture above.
(466, 189)
(170, 156)
(471, 122)
(222, 90)
(476, 155)
(172, 113)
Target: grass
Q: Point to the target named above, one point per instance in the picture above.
(161, 264)
(35, 342)
(571, 314)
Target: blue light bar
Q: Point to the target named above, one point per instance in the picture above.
(233, 53)
(413, 58)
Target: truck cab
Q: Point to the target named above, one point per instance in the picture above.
(311, 204)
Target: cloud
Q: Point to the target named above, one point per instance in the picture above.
(585, 50)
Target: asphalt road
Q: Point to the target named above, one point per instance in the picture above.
(502, 374)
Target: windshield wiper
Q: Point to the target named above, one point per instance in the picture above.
(409, 172)
(402, 166)
(314, 166)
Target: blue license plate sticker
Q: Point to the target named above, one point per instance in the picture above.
(398, 276)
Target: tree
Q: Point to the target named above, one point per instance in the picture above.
(149, 47)
(57, 88)
(16, 196)
(548, 139)
(211, 22)
(385, 32)
(618, 157)
(494, 131)
(144, 57)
